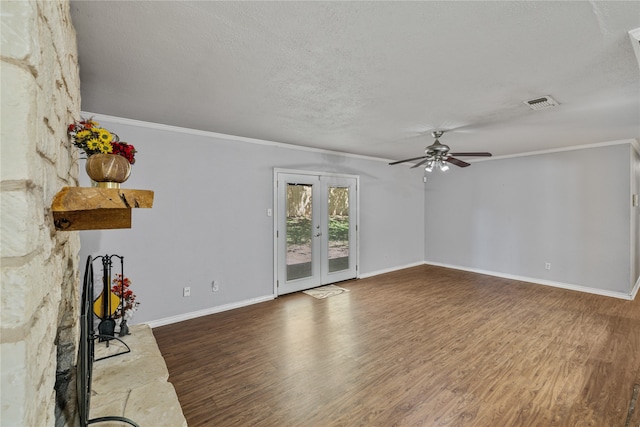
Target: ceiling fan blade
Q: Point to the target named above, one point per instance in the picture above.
(421, 163)
(407, 160)
(457, 162)
(480, 154)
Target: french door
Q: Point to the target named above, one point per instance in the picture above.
(315, 229)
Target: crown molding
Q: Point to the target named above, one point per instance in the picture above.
(189, 131)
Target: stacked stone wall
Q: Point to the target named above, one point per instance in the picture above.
(39, 282)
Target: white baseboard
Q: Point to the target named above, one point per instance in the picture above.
(207, 311)
(231, 306)
(634, 291)
(389, 270)
(561, 285)
(221, 308)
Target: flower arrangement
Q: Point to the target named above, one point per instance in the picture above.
(92, 139)
(121, 289)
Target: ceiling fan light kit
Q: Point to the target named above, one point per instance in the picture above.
(437, 154)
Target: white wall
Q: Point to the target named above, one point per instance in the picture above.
(511, 216)
(209, 216)
(505, 217)
(635, 215)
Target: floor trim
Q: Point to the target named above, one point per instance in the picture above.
(244, 303)
(389, 270)
(561, 285)
(634, 291)
(207, 311)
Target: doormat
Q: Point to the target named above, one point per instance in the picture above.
(325, 291)
(632, 405)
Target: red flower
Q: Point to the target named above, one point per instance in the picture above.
(120, 289)
(125, 150)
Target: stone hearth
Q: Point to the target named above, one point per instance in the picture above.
(134, 385)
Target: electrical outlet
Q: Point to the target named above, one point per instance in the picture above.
(186, 291)
(215, 286)
(547, 266)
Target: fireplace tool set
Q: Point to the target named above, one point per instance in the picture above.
(105, 306)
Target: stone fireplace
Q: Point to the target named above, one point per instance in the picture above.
(39, 265)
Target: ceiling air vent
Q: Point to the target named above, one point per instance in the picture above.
(541, 103)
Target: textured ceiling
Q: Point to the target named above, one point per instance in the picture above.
(371, 78)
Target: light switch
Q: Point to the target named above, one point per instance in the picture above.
(269, 212)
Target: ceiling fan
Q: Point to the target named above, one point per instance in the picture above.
(437, 154)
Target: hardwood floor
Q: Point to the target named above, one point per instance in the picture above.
(425, 346)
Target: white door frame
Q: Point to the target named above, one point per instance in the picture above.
(276, 215)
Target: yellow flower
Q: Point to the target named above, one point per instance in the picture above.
(104, 135)
(106, 148)
(94, 144)
(83, 134)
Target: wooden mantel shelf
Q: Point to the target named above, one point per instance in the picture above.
(84, 208)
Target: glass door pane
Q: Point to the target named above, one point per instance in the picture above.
(338, 244)
(299, 232)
